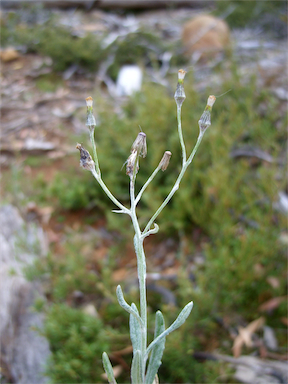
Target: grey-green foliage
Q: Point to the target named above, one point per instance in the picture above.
(138, 323)
(176, 324)
(108, 368)
(126, 306)
(135, 330)
(136, 368)
(157, 351)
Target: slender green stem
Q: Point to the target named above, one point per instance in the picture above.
(181, 134)
(94, 151)
(175, 187)
(146, 184)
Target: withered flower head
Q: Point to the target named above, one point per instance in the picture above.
(165, 160)
(140, 144)
(132, 163)
(86, 161)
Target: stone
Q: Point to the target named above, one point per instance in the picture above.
(205, 34)
(9, 54)
(23, 351)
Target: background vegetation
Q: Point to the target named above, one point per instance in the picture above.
(224, 210)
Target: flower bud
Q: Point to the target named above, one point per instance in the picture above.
(90, 120)
(140, 144)
(205, 119)
(165, 160)
(86, 161)
(132, 162)
(180, 94)
(181, 76)
(210, 102)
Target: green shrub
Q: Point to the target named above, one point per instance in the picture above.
(253, 12)
(77, 341)
(50, 39)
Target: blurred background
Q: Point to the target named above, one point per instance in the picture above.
(223, 238)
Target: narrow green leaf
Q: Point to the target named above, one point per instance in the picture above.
(136, 368)
(157, 351)
(108, 368)
(177, 323)
(135, 330)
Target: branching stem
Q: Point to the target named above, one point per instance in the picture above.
(139, 148)
(175, 187)
(146, 184)
(109, 194)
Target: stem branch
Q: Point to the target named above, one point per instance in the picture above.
(146, 185)
(109, 194)
(175, 187)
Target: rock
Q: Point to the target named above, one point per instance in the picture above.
(270, 338)
(90, 309)
(24, 351)
(38, 145)
(281, 93)
(205, 34)
(9, 54)
(282, 203)
(251, 369)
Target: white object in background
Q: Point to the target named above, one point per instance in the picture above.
(282, 204)
(129, 80)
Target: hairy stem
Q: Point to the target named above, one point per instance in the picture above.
(94, 151)
(141, 266)
(109, 194)
(181, 134)
(146, 184)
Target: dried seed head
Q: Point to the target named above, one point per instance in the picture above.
(132, 162)
(165, 160)
(90, 120)
(140, 144)
(86, 161)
